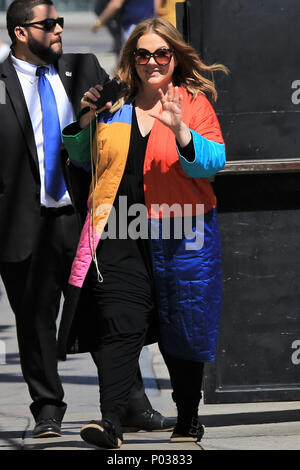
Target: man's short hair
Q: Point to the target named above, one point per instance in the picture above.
(19, 12)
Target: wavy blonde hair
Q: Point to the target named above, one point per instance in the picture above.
(188, 73)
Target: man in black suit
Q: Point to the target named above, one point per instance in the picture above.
(38, 231)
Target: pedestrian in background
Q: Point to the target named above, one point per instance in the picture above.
(131, 12)
(113, 24)
(40, 218)
(157, 146)
(167, 9)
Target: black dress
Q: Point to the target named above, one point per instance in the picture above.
(124, 301)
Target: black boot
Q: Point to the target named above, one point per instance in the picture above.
(186, 379)
(188, 430)
(188, 427)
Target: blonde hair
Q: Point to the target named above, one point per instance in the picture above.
(189, 70)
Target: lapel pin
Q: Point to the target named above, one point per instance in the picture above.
(69, 74)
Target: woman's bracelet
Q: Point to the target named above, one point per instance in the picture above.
(98, 24)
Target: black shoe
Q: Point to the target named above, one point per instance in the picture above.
(150, 420)
(47, 428)
(102, 434)
(193, 432)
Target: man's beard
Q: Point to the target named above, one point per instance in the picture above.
(46, 54)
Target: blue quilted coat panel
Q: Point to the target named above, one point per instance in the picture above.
(189, 292)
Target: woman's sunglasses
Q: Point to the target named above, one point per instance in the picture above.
(48, 24)
(162, 56)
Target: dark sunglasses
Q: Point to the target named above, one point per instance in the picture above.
(48, 24)
(162, 56)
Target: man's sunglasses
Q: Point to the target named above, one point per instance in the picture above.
(48, 24)
(162, 56)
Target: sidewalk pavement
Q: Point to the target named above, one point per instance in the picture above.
(252, 426)
(80, 383)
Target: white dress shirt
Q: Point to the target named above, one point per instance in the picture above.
(29, 82)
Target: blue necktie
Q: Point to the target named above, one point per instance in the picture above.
(54, 180)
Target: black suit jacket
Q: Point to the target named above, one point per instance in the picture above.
(19, 169)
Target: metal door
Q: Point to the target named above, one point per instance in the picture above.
(258, 193)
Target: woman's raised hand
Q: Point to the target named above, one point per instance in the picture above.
(171, 115)
(171, 102)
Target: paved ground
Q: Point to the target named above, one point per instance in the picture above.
(253, 426)
(81, 393)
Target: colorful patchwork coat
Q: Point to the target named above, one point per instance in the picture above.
(187, 276)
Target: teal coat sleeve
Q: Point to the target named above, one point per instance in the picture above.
(210, 157)
(78, 144)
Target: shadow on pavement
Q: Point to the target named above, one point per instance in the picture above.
(13, 439)
(12, 358)
(11, 378)
(163, 384)
(67, 379)
(47, 444)
(254, 417)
